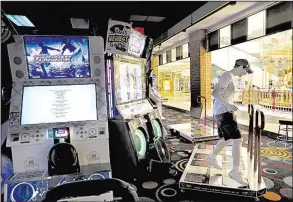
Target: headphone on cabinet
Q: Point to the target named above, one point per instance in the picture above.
(63, 159)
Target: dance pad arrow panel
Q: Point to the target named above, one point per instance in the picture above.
(199, 176)
(195, 132)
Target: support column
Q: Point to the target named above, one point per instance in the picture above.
(200, 71)
(206, 76)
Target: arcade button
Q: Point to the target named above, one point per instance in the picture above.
(25, 137)
(92, 131)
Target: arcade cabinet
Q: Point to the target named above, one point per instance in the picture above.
(58, 123)
(136, 131)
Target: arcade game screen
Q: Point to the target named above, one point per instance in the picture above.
(63, 103)
(129, 82)
(57, 57)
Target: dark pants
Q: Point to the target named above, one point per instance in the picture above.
(227, 126)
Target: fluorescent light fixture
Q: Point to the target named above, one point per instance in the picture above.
(155, 19)
(79, 23)
(20, 20)
(138, 18)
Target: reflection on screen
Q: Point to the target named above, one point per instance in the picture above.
(129, 82)
(51, 104)
(57, 57)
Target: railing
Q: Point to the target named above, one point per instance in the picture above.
(273, 99)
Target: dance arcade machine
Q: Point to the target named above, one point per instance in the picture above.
(198, 176)
(58, 125)
(134, 139)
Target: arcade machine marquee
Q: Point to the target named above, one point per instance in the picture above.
(58, 96)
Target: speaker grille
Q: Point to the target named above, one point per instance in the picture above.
(19, 74)
(97, 59)
(17, 60)
(97, 72)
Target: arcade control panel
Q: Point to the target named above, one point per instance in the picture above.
(31, 136)
(32, 139)
(129, 110)
(34, 185)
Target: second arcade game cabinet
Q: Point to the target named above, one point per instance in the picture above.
(136, 131)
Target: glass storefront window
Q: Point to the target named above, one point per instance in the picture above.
(225, 36)
(168, 55)
(173, 55)
(160, 59)
(174, 83)
(185, 51)
(164, 58)
(239, 31)
(269, 88)
(256, 25)
(179, 53)
(213, 40)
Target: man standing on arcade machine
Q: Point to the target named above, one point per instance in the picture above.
(226, 120)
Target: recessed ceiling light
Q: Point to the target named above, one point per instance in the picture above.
(20, 20)
(155, 19)
(78, 23)
(138, 18)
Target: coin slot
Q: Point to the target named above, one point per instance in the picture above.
(14, 137)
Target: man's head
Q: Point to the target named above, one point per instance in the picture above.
(242, 67)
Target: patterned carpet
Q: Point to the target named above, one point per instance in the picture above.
(276, 170)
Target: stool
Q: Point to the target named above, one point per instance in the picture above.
(284, 126)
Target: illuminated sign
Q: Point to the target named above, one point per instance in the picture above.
(136, 43)
(118, 37)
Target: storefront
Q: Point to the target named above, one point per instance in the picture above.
(173, 77)
(265, 40)
(260, 32)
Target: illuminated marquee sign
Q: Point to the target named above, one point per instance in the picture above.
(118, 37)
(136, 43)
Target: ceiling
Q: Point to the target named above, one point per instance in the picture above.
(54, 17)
(217, 20)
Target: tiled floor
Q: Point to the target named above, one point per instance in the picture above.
(276, 164)
(276, 173)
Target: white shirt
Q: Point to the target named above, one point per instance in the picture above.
(227, 91)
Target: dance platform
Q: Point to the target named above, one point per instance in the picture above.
(198, 176)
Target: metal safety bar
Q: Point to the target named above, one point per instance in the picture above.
(250, 131)
(258, 130)
(254, 143)
(205, 108)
